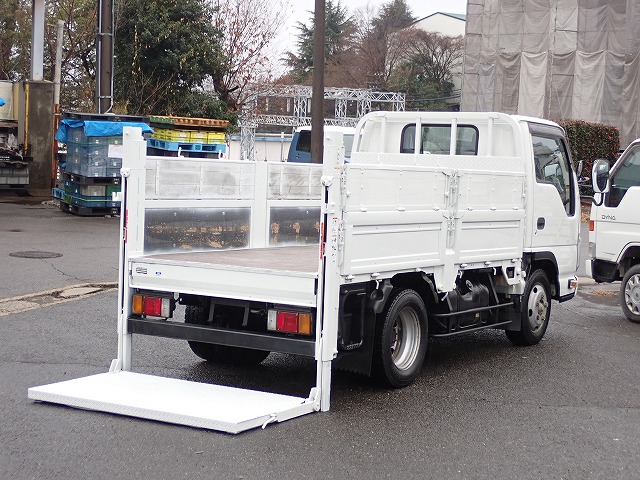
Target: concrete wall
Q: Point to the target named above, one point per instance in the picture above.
(35, 129)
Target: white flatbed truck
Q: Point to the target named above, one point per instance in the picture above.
(471, 223)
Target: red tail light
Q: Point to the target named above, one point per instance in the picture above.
(289, 322)
(152, 305)
(592, 225)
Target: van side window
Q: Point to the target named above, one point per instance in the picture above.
(626, 175)
(552, 166)
(436, 139)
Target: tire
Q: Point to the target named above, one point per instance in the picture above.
(401, 340)
(220, 353)
(630, 294)
(534, 312)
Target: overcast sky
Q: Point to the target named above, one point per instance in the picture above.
(299, 12)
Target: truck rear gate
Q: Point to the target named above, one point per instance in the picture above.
(287, 275)
(170, 400)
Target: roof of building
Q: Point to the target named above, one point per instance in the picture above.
(457, 16)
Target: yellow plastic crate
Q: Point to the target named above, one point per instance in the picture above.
(171, 135)
(189, 136)
(216, 137)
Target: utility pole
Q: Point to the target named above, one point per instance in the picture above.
(317, 97)
(104, 57)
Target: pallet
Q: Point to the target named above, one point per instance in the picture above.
(88, 211)
(84, 200)
(90, 180)
(104, 117)
(186, 121)
(187, 147)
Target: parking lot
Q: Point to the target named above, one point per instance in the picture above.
(482, 408)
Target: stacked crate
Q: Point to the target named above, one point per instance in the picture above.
(191, 137)
(90, 156)
(91, 171)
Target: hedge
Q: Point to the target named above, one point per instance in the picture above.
(590, 141)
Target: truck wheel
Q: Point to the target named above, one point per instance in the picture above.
(401, 339)
(535, 311)
(630, 294)
(220, 353)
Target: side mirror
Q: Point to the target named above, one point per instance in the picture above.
(600, 176)
(580, 167)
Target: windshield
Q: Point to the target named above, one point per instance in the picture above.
(625, 175)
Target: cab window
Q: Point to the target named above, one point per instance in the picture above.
(436, 140)
(625, 176)
(552, 166)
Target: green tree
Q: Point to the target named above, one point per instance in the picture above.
(165, 50)
(78, 54)
(13, 40)
(339, 35)
(393, 16)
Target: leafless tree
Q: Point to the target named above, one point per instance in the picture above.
(249, 29)
(435, 56)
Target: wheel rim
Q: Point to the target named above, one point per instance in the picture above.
(537, 307)
(632, 294)
(406, 339)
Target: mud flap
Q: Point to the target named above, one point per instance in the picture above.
(182, 402)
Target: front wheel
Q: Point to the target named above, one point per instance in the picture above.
(535, 311)
(401, 339)
(630, 294)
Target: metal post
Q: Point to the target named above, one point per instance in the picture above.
(104, 56)
(37, 40)
(58, 69)
(317, 98)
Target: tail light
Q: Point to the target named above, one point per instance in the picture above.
(592, 225)
(289, 322)
(153, 305)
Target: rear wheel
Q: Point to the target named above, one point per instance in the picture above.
(220, 353)
(535, 311)
(401, 339)
(630, 294)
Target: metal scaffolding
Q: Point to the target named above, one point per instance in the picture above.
(349, 105)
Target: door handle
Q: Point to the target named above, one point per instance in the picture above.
(540, 224)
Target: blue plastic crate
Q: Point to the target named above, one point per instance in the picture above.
(58, 193)
(85, 201)
(187, 147)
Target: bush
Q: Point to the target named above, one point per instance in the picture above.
(590, 141)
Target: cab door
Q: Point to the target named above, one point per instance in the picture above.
(555, 224)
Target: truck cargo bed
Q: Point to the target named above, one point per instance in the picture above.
(278, 274)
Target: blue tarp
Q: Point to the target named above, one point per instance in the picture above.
(97, 128)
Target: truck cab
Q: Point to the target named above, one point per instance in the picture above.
(300, 148)
(614, 227)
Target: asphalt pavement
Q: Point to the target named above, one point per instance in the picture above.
(568, 408)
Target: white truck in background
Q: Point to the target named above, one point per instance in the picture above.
(614, 227)
(440, 224)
